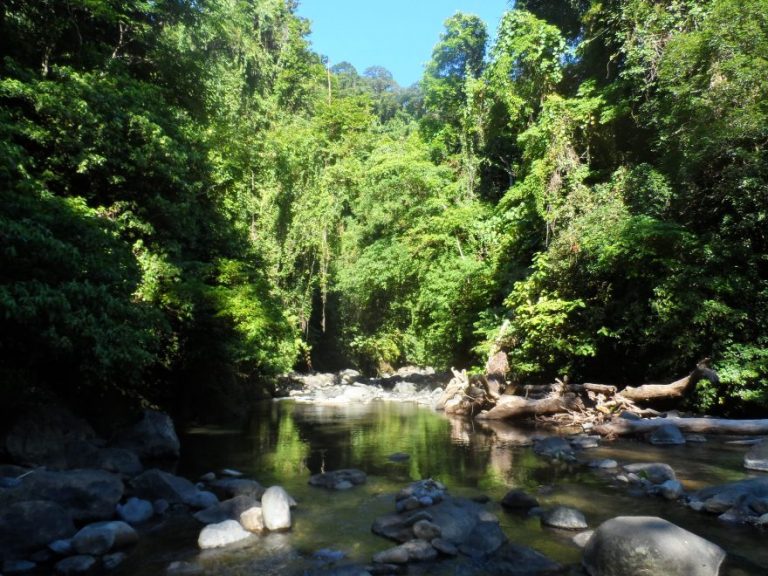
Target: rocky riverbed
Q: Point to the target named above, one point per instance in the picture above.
(73, 503)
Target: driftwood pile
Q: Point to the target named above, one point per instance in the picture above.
(598, 407)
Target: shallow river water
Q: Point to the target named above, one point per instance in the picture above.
(285, 442)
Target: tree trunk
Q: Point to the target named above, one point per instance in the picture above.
(517, 406)
(620, 426)
(676, 389)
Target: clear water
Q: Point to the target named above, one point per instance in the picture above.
(284, 443)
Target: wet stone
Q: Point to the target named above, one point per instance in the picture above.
(564, 517)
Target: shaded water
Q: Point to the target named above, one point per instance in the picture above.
(286, 442)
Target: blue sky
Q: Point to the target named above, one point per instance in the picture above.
(396, 34)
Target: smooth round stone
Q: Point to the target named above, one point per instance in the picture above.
(221, 534)
(564, 517)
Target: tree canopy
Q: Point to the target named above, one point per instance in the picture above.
(193, 201)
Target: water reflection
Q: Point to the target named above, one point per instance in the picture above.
(284, 443)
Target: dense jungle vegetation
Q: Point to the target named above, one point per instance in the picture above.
(193, 201)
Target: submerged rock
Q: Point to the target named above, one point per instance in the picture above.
(554, 447)
(73, 565)
(649, 545)
(518, 500)
(757, 457)
(339, 479)
(228, 510)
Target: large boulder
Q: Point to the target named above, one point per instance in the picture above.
(637, 545)
(49, 435)
(667, 435)
(155, 484)
(152, 437)
(276, 508)
(757, 457)
(30, 525)
(100, 537)
(87, 494)
(719, 499)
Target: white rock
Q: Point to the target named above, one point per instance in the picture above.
(276, 507)
(253, 519)
(221, 534)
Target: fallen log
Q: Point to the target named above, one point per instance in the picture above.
(621, 426)
(517, 406)
(676, 389)
(544, 389)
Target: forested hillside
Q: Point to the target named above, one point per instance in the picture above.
(193, 201)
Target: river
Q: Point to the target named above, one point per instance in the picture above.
(285, 442)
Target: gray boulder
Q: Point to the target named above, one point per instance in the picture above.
(518, 500)
(154, 436)
(276, 508)
(564, 517)
(485, 539)
(228, 510)
(649, 545)
(222, 534)
(411, 551)
(226, 488)
(87, 494)
(119, 461)
(40, 437)
(654, 472)
(757, 457)
(26, 526)
(339, 479)
(554, 447)
(100, 537)
(671, 489)
(667, 435)
(135, 511)
(76, 565)
(154, 484)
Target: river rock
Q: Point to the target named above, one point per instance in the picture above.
(485, 539)
(604, 464)
(426, 530)
(518, 500)
(411, 551)
(757, 457)
(228, 510)
(721, 498)
(554, 447)
(585, 442)
(671, 489)
(654, 472)
(76, 565)
(135, 511)
(516, 560)
(582, 538)
(456, 517)
(154, 436)
(422, 492)
(221, 534)
(62, 547)
(11, 567)
(339, 479)
(444, 547)
(649, 545)
(119, 461)
(202, 499)
(112, 561)
(26, 526)
(276, 507)
(230, 487)
(253, 519)
(154, 484)
(41, 436)
(100, 537)
(667, 435)
(564, 517)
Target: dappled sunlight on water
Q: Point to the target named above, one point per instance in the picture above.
(284, 443)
